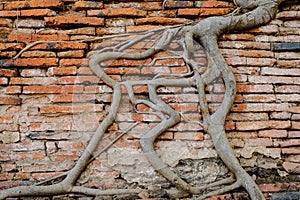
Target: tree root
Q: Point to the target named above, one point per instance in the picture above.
(206, 33)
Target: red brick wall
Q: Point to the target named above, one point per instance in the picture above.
(51, 103)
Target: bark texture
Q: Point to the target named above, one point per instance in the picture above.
(206, 32)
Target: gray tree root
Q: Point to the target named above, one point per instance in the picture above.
(249, 14)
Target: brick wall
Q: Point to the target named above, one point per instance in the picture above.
(51, 103)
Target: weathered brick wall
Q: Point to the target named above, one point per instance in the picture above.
(51, 103)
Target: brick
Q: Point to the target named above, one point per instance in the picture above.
(257, 142)
(273, 133)
(280, 115)
(42, 89)
(288, 63)
(71, 54)
(287, 143)
(244, 45)
(6, 119)
(161, 21)
(241, 135)
(203, 12)
(296, 125)
(110, 30)
(59, 71)
(237, 37)
(61, 21)
(198, 136)
(262, 125)
(259, 98)
(82, 31)
(33, 72)
(288, 89)
(38, 54)
(271, 187)
(267, 29)
(191, 12)
(291, 167)
(51, 37)
(6, 22)
(288, 97)
(32, 4)
(30, 23)
(260, 107)
(13, 90)
(31, 62)
(86, 80)
(117, 12)
(290, 150)
(37, 13)
(10, 137)
(294, 134)
(248, 116)
(71, 109)
(84, 5)
(117, 22)
(9, 13)
(34, 81)
(9, 100)
(178, 4)
(3, 81)
(246, 88)
(288, 15)
(150, 6)
(213, 4)
(73, 62)
(61, 46)
(7, 72)
(273, 80)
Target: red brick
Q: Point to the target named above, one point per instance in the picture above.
(271, 187)
(291, 167)
(260, 107)
(296, 125)
(117, 12)
(6, 119)
(262, 125)
(82, 5)
(290, 150)
(71, 109)
(31, 62)
(272, 79)
(273, 133)
(3, 81)
(34, 81)
(151, 6)
(32, 4)
(13, 90)
(259, 142)
(294, 134)
(8, 72)
(198, 136)
(191, 12)
(71, 54)
(58, 71)
(288, 15)
(42, 89)
(73, 20)
(241, 135)
(37, 13)
(287, 143)
(73, 62)
(38, 54)
(110, 30)
(51, 37)
(6, 22)
(288, 89)
(10, 13)
(61, 46)
(213, 4)
(9, 100)
(178, 4)
(237, 37)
